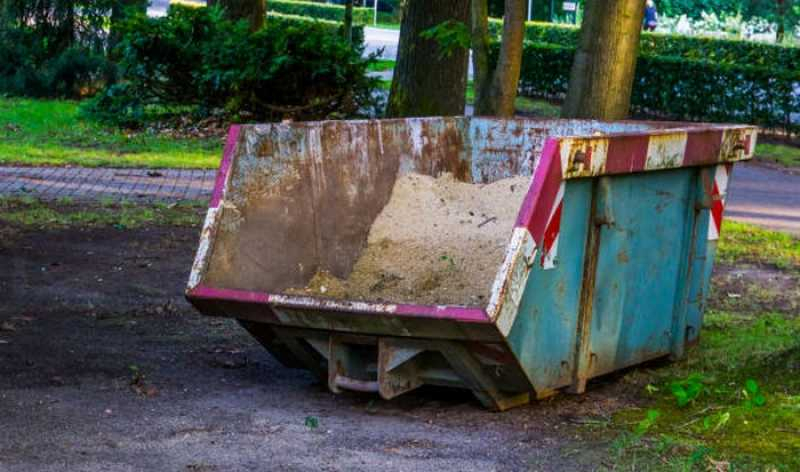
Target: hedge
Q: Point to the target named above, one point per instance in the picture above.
(678, 88)
(729, 51)
(358, 30)
(322, 11)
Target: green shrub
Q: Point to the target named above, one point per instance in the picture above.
(335, 26)
(679, 88)
(27, 69)
(194, 59)
(325, 11)
(691, 47)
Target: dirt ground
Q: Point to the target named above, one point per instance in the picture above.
(104, 366)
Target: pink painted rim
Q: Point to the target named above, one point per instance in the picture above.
(225, 166)
(443, 312)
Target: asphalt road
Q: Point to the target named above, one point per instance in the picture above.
(765, 196)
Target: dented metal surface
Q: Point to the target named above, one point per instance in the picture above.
(601, 239)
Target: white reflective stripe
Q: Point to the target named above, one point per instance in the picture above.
(200, 261)
(512, 279)
(665, 151)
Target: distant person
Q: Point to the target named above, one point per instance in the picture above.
(650, 16)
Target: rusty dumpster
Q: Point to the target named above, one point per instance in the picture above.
(513, 258)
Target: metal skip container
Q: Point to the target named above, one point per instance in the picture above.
(513, 258)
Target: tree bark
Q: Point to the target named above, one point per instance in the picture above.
(252, 11)
(347, 31)
(605, 62)
(505, 79)
(426, 82)
(479, 39)
(781, 21)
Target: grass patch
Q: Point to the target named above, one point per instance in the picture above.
(50, 132)
(381, 65)
(785, 155)
(31, 212)
(742, 242)
(388, 26)
(733, 402)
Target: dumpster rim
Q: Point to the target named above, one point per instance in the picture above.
(456, 313)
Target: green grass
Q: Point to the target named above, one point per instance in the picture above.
(725, 422)
(50, 132)
(785, 155)
(31, 212)
(381, 65)
(389, 26)
(742, 242)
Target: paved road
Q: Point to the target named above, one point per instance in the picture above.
(766, 197)
(377, 38)
(159, 7)
(84, 184)
(760, 195)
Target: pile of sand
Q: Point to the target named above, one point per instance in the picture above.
(437, 241)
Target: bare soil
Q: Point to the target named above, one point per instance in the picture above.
(105, 367)
(755, 289)
(437, 241)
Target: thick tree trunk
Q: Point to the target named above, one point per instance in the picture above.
(425, 81)
(347, 31)
(479, 39)
(603, 70)
(253, 11)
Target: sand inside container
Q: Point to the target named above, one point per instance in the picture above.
(437, 241)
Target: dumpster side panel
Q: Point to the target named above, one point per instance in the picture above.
(543, 335)
(713, 184)
(639, 266)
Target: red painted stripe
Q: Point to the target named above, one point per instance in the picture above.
(553, 228)
(717, 207)
(627, 154)
(702, 147)
(538, 206)
(225, 166)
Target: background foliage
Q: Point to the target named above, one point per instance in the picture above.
(325, 11)
(679, 88)
(692, 47)
(193, 60)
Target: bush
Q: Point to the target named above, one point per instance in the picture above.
(335, 26)
(361, 16)
(678, 88)
(727, 51)
(55, 49)
(27, 69)
(194, 59)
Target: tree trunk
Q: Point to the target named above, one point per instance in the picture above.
(347, 31)
(426, 82)
(252, 11)
(505, 78)
(479, 39)
(781, 21)
(603, 70)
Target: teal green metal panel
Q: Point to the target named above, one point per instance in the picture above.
(543, 334)
(638, 266)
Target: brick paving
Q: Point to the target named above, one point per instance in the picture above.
(83, 184)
